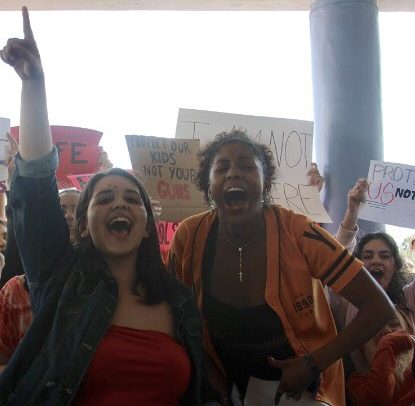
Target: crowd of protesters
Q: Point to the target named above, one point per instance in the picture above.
(254, 304)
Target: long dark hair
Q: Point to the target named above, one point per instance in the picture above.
(150, 271)
(400, 277)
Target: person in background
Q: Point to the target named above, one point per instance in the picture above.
(68, 199)
(15, 316)
(380, 255)
(15, 308)
(258, 272)
(390, 380)
(110, 324)
(379, 371)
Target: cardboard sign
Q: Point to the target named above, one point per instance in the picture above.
(4, 149)
(390, 198)
(167, 167)
(291, 142)
(79, 181)
(78, 151)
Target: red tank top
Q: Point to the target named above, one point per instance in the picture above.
(135, 367)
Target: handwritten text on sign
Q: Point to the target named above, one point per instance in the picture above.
(390, 198)
(167, 166)
(291, 142)
(78, 151)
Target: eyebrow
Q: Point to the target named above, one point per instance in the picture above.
(133, 191)
(241, 158)
(112, 191)
(372, 251)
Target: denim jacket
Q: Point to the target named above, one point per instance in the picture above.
(73, 299)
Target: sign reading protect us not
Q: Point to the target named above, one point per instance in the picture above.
(167, 167)
(291, 142)
(390, 198)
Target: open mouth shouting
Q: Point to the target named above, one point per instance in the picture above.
(235, 197)
(377, 274)
(119, 226)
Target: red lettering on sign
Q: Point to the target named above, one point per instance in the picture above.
(173, 191)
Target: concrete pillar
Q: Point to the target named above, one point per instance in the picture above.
(347, 97)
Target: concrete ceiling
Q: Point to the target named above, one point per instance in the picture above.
(197, 5)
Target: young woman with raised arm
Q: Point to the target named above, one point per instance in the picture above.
(110, 325)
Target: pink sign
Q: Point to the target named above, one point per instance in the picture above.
(78, 151)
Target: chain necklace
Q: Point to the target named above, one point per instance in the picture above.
(242, 247)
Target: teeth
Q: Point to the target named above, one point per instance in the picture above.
(127, 220)
(235, 189)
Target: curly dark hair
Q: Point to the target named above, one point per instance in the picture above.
(207, 154)
(400, 277)
(150, 270)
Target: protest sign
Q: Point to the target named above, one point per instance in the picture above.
(78, 151)
(167, 167)
(79, 181)
(4, 149)
(390, 198)
(165, 233)
(291, 142)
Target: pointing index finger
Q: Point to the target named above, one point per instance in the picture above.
(27, 29)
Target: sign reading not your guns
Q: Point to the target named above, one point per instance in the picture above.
(167, 167)
(291, 142)
(390, 198)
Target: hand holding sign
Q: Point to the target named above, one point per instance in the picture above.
(315, 178)
(22, 54)
(356, 196)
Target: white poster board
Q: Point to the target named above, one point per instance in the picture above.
(4, 147)
(291, 142)
(391, 195)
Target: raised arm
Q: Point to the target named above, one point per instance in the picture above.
(23, 56)
(42, 233)
(348, 228)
